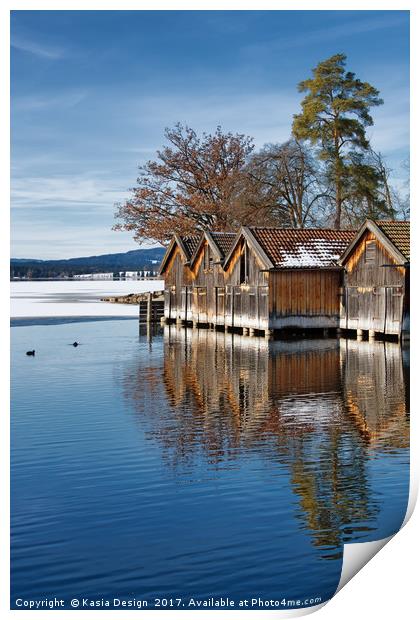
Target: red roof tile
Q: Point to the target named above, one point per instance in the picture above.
(190, 244)
(224, 241)
(398, 233)
(303, 248)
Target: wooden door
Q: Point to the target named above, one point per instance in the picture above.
(379, 309)
(202, 304)
(220, 305)
(237, 318)
(167, 296)
(172, 304)
(188, 303)
(252, 318)
(394, 308)
(352, 307)
(229, 311)
(183, 309)
(263, 307)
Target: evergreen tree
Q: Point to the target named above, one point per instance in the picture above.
(335, 114)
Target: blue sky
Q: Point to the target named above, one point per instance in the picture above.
(92, 92)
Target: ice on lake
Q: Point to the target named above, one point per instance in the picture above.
(72, 298)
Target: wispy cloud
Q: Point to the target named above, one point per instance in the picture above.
(346, 30)
(42, 240)
(66, 192)
(37, 49)
(67, 99)
(266, 116)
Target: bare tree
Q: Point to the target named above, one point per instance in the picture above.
(192, 185)
(284, 186)
(369, 192)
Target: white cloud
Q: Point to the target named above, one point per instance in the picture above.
(66, 192)
(36, 48)
(267, 117)
(39, 240)
(340, 31)
(35, 102)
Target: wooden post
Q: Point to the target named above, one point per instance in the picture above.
(371, 334)
(149, 307)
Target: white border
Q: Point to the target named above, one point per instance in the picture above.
(388, 586)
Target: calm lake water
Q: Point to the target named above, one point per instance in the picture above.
(199, 464)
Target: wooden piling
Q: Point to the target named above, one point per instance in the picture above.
(149, 307)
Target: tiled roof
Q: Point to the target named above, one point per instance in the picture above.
(190, 243)
(224, 241)
(398, 233)
(310, 247)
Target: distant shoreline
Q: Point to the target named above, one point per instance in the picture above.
(29, 321)
(77, 280)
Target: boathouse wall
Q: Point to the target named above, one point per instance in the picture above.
(304, 298)
(376, 289)
(178, 281)
(246, 290)
(207, 284)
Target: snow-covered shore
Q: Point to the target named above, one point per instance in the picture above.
(72, 298)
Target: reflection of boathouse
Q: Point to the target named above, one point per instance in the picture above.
(357, 386)
(320, 409)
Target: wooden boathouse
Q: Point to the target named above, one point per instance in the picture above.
(376, 280)
(262, 279)
(207, 267)
(193, 271)
(284, 279)
(175, 268)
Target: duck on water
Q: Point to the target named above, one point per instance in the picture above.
(32, 353)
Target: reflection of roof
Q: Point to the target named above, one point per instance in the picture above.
(223, 240)
(294, 248)
(190, 243)
(398, 233)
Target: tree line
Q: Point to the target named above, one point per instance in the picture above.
(326, 175)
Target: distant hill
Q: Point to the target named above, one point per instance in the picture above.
(134, 260)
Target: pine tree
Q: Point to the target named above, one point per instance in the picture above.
(335, 114)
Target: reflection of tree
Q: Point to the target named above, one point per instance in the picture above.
(317, 407)
(333, 490)
(375, 392)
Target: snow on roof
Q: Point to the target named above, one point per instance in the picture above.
(303, 248)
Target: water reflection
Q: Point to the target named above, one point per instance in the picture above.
(323, 410)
